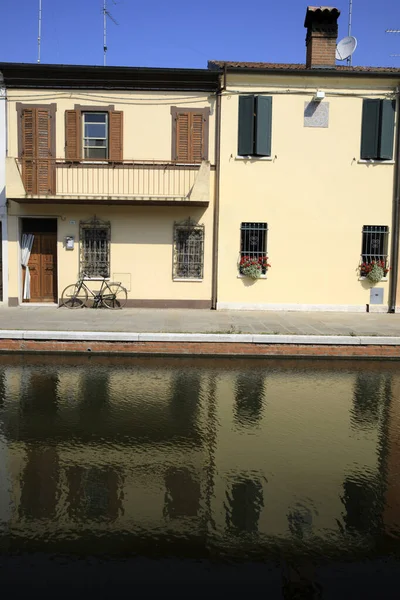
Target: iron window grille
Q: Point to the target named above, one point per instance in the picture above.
(95, 135)
(188, 250)
(253, 241)
(95, 236)
(375, 243)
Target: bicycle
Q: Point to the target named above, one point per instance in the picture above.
(111, 294)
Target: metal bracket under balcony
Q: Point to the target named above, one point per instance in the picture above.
(105, 182)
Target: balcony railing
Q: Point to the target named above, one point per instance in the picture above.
(147, 180)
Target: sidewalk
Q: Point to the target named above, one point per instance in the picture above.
(173, 332)
(144, 320)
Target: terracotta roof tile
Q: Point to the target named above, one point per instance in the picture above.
(220, 64)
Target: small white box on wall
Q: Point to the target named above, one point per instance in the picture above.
(69, 242)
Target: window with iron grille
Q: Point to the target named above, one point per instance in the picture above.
(188, 250)
(375, 243)
(253, 241)
(95, 238)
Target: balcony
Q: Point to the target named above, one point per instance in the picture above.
(125, 182)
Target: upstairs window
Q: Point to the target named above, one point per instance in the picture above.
(189, 134)
(255, 125)
(375, 243)
(377, 133)
(95, 135)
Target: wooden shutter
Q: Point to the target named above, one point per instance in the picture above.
(246, 126)
(197, 123)
(115, 135)
(370, 129)
(263, 106)
(182, 150)
(73, 135)
(387, 129)
(28, 148)
(44, 164)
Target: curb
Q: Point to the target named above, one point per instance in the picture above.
(114, 336)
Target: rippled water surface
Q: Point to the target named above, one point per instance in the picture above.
(284, 474)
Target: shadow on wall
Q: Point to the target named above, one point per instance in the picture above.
(133, 225)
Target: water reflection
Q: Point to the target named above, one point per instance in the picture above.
(157, 456)
(93, 493)
(182, 495)
(249, 398)
(243, 506)
(39, 483)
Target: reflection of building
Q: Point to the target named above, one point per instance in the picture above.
(391, 513)
(199, 453)
(109, 447)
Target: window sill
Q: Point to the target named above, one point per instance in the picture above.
(250, 157)
(96, 279)
(191, 279)
(375, 161)
(240, 276)
(366, 278)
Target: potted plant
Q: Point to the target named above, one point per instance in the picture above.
(374, 270)
(253, 267)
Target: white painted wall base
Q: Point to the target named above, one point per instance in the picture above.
(302, 307)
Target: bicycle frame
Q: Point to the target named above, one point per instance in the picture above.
(97, 296)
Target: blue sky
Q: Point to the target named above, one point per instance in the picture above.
(185, 34)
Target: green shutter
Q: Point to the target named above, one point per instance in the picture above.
(370, 129)
(246, 126)
(263, 125)
(387, 129)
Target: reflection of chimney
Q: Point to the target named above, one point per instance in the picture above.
(322, 32)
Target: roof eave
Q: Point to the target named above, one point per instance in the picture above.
(320, 71)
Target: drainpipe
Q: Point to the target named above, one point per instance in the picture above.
(394, 251)
(214, 283)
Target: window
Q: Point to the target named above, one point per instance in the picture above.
(188, 250)
(189, 134)
(255, 125)
(375, 243)
(95, 135)
(377, 129)
(253, 241)
(95, 248)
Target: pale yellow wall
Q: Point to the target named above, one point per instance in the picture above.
(141, 247)
(141, 237)
(313, 194)
(147, 117)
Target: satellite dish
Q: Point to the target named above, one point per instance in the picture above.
(346, 47)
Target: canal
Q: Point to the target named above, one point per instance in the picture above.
(284, 474)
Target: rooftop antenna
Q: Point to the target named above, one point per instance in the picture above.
(106, 13)
(40, 29)
(349, 29)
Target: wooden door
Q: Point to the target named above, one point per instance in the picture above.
(43, 268)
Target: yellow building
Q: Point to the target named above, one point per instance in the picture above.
(244, 186)
(308, 178)
(110, 172)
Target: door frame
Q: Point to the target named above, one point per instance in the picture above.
(19, 233)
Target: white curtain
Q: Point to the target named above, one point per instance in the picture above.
(26, 248)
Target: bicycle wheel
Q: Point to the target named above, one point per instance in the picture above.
(114, 296)
(74, 296)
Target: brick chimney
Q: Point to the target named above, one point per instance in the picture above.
(322, 32)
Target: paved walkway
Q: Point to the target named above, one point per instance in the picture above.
(142, 320)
